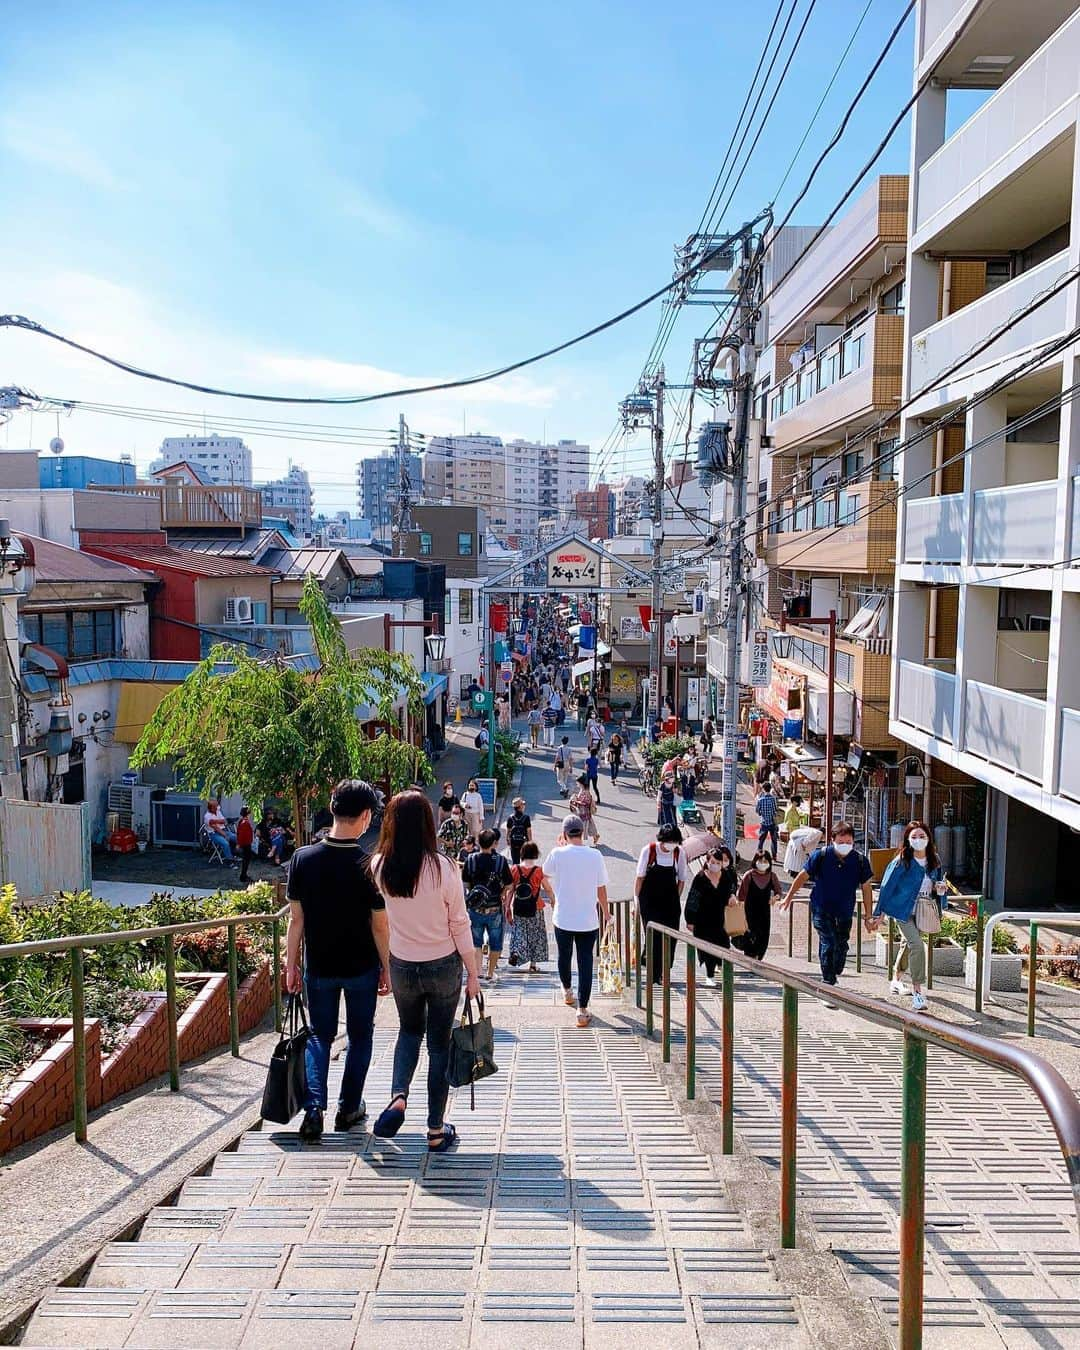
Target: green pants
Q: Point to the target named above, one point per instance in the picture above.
(912, 952)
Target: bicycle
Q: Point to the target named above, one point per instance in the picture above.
(647, 780)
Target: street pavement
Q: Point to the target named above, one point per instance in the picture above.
(588, 1204)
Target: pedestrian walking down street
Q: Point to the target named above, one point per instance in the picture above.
(615, 756)
(446, 803)
(533, 720)
(592, 772)
(549, 718)
(707, 734)
(430, 940)
(913, 882)
(710, 893)
(765, 806)
(594, 733)
(793, 816)
(245, 840)
(581, 705)
(581, 803)
(838, 873)
(759, 888)
(528, 936)
(453, 835)
(665, 802)
(473, 806)
(486, 876)
(579, 881)
(661, 876)
(564, 766)
(339, 918)
(518, 829)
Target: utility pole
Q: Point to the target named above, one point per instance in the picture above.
(745, 361)
(404, 514)
(645, 407)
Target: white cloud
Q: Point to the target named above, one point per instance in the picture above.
(55, 148)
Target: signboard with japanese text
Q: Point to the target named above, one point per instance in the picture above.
(573, 566)
(631, 629)
(693, 697)
(671, 640)
(759, 660)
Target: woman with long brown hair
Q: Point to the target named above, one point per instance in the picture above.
(430, 937)
(912, 880)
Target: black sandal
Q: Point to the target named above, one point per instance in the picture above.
(440, 1142)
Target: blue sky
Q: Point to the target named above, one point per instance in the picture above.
(320, 199)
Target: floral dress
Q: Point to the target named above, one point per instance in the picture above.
(528, 936)
(453, 835)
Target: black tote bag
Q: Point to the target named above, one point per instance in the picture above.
(286, 1079)
(472, 1050)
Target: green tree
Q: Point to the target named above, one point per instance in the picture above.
(264, 729)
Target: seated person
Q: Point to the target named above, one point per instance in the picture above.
(215, 824)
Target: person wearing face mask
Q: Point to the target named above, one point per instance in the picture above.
(838, 873)
(758, 889)
(661, 876)
(915, 874)
(710, 892)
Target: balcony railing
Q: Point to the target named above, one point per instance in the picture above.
(1070, 753)
(192, 505)
(1014, 524)
(934, 529)
(1006, 728)
(847, 354)
(853, 527)
(925, 699)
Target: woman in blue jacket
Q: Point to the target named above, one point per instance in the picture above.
(915, 872)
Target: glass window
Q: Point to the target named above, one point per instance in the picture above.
(807, 381)
(824, 512)
(425, 543)
(54, 633)
(829, 367)
(886, 459)
(465, 606)
(852, 464)
(258, 611)
(892, 302)
(104, 632)
(464, 544)
(448, 617)
(853, 352)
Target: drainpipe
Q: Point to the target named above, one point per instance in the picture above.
(939, 459)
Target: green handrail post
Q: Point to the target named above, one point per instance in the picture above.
(234, 1009)
(626, 945)
(691, 1021)
(892, 947)
(665, 975)
(789, 1115)
(648, 981)
(727, 1063)
(78, 1042)
(929, 960)
(912, 1193)
(170, 1006)
(791, 931)
(637, 951)
(1033, 961)
(980, 921)
(275, 973)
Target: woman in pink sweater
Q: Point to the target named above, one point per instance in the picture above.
(430, 937)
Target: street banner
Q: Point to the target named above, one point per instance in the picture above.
(760, 673)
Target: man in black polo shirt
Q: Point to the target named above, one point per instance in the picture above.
(340, 917)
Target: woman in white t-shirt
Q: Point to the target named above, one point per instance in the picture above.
(473, 806)
(661, 876)
(579, 879)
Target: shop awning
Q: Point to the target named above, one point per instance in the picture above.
(138, 703)
(434, 685)
(581, 668)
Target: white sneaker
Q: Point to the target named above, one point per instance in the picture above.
(918, 1003)
(710, 983)
(897, 987)
(493, 979)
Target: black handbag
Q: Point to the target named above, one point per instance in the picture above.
(285, 1092)
(472, 1050)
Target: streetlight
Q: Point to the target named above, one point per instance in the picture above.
(782, 645)
(16, 581)
(436, 646)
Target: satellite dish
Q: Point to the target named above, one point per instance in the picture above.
(56, 445)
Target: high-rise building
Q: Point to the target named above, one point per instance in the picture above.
(226, 459)
(378, 489)
(596, 509)
(987, 604)
(290, 497)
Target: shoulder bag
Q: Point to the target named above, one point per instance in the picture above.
(927, 915)
(285, 1091)
(472, 1050)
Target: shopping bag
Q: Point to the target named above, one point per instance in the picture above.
(285, 1092)
(735, 919)
(611, 975)
(472, 1050)
(927, 915)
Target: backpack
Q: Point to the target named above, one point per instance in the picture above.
(525, 895)
(479, 741)
(560, 757)
(517, 830)
(480, 896)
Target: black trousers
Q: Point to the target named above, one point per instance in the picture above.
(665, 910)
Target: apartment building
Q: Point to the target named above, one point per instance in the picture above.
(987, 607)
(226, 459)
(378, 481)
(290, 497)
(596, 511)
(827, 400)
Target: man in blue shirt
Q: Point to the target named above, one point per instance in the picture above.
(592, 770)
(838, 873)
(766, 809)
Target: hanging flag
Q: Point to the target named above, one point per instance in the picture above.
(499, 617)
(586, 638)
(646, 617)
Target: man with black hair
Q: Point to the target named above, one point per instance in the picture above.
(486, 876)
(339, 917)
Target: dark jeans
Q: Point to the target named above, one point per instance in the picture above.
(771, 832)
(568, 940)
(427, 995)
(245, 861)
(324, 1000)
(616, 765)
(668, 911)
(593, 784)
(834, 932)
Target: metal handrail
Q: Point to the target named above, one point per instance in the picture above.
(1033, 918)
(919, 1031)
(77, 944)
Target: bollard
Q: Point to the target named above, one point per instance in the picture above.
(78, 1042)
(691, 1021)
(912, 1193)
(170, 1004)
(809, 934)
(665, 975)
(234, 1009)
(789, 1115)
(727, 1063)
(626, 946)
(275, 971)
(1033, 963)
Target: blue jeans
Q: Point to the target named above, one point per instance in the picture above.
(770, 832)
(324, 1000)
(426, 994)
(567, 940)
(492, 925)
(834, 932)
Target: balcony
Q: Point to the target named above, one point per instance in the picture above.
(924, 699)
(1009, 165)
(843, 388)
(852, 530)
(935, 529)
(1070, 754)
(940, 347)
(1014, 524)
(188, 506)
(1005, 728)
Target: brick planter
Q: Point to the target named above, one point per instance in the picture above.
(144, 1053)
(254, 997)
(42, 1096)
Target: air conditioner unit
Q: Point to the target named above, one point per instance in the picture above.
(238, 609)
(133, 806)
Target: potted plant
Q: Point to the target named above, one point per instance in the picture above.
(948, 953)
(1006, 964)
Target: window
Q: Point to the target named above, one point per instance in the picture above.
(465, 606)
(886, 459)
(448, 616)
(892, 302)
(77, 635)
(425, 543)
(464, 544)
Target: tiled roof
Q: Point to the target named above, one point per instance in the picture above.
(184, 560)
(57, 562)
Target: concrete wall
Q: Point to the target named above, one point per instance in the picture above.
(212, 592)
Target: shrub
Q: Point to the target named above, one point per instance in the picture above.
(209, 951)
(965, 932)
(508, 755)
(1059, 968)
(665, 749)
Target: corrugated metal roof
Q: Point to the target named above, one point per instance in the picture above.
(184, 560)
(57, 562)
(253, 545)
(295, 563)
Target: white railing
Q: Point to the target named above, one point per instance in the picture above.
(941, 346)
(934, 529)
(1005, 728)
(1024, 102)
(924, 699)
(1014, 524)
(1074, 540)
(1070, 754)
